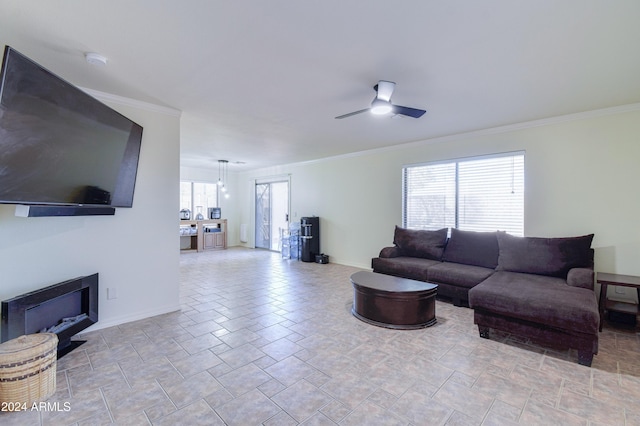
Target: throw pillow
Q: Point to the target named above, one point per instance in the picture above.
(472, 248)
(544, 256)
(421, 243)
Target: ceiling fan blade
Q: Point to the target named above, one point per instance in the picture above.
(411, 112)
(385, 90)
(352, 113)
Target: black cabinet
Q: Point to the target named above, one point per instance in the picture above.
(309, 238)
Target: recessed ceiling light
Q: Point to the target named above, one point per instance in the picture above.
(95, 59)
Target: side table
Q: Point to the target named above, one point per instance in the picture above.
(605, 279)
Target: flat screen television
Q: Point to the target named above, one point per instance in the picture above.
(59, 145)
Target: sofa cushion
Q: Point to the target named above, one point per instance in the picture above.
(472, 248)
(414, 268)
(421, 243)
(543, 256)
(540, 299)
(390, 252)
(458, 274)
(581, 277)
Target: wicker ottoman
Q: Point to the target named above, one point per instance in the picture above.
(27, 370)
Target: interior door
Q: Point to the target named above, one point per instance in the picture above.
(272, 213)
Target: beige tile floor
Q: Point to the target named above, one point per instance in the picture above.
(261, 340)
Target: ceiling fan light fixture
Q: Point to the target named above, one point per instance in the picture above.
(380, 107)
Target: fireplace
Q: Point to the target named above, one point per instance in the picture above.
(65, 309)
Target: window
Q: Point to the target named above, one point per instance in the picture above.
(185, 195)
(198, 197)
(475, 194)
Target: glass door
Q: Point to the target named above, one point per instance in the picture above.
(263, 215)
(272, 214)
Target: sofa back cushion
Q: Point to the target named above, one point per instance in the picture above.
(544, 256)
(472, 248)
(420, 243)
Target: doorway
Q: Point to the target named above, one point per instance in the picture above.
(272, 213)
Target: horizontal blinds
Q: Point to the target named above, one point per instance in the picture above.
(430, 196)
(205, 195)
(481, 194)
(491, 194)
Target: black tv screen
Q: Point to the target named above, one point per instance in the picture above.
(59, 145)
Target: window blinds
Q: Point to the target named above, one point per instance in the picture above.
(476, 194)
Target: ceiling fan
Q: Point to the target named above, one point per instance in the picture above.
(381, 104)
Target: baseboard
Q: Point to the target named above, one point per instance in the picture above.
(130, 318)
(352, 264)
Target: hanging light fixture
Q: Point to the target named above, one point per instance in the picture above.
(226, 178)
(220, 183)
(223, 176)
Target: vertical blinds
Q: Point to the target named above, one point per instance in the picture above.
(475, 194)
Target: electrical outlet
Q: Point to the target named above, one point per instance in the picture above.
(112, 293)
(620, 290)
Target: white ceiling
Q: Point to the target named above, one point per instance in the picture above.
(260, 82)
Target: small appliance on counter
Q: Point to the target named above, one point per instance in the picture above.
(199, 214)
(185, 214)
(215, 213)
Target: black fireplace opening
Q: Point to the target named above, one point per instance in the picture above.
(65, 309)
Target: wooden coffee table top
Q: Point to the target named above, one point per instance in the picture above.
(389, 283)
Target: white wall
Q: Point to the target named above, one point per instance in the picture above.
(582, 175)
(136, 251)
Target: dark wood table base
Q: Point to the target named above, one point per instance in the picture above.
(393, 302)
(605, 280)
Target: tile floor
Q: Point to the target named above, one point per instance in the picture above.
(261, 340)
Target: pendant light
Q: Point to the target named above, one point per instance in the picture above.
(223, 170)
(220, 183)
(226, 178)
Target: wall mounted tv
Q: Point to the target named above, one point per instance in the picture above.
(60, 146)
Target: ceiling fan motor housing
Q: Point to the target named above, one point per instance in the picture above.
(381, 104)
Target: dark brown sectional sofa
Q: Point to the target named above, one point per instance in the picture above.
(539, 288)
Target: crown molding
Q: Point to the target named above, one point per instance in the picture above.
(121, 100)
(489, 131)
(552, 120)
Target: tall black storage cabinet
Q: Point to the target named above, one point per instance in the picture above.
(310, 238)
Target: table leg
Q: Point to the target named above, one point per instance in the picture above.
(603, 301)
(638, 311)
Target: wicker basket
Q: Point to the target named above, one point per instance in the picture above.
(28, 369)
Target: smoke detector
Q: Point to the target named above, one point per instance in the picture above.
(95, 59)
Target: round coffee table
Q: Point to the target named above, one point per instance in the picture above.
(393, 302)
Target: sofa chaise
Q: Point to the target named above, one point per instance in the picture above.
(538, 288)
